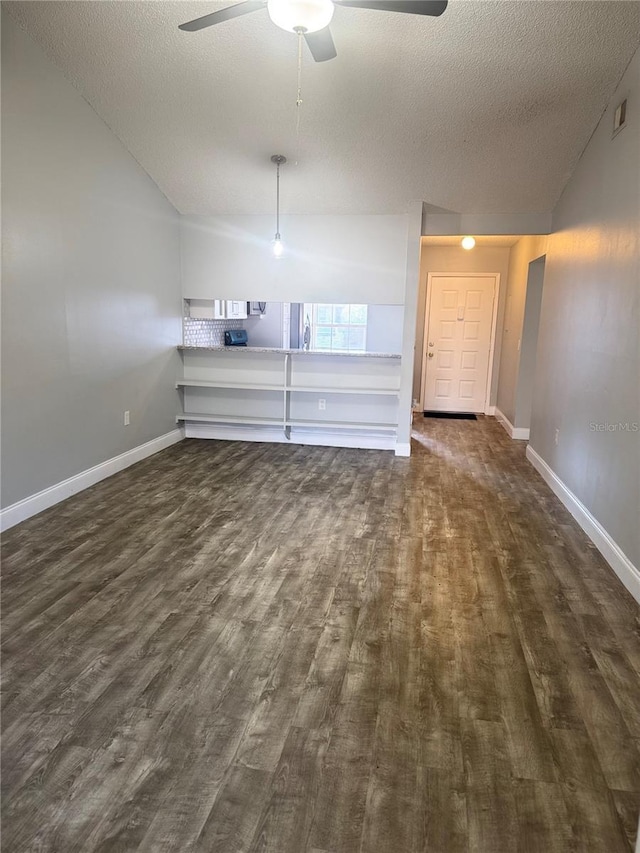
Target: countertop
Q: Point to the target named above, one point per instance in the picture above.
(283, 351)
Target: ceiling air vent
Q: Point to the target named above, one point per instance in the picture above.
(620, 117)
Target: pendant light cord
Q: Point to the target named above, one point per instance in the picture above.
(277, 201)
(278, 159)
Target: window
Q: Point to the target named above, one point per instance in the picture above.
(338, 328)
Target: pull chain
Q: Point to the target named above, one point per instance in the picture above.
(299, 96)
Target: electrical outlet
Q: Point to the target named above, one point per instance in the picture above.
(322, 405)
(557, 436)
(127, 418)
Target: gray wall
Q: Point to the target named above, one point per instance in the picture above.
(588, 359)
(526, 250)
(454, 259)
(91, 296)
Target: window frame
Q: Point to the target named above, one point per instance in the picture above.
(310, 309)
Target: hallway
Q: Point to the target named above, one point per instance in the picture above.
(239, 647)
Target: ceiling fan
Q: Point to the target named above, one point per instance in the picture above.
(311, 18)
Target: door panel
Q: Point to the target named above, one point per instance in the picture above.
(458, 342)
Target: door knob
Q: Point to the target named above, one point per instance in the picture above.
(430, 355)
(430, 343)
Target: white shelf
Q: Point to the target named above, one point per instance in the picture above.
(310, 389)
(296, 422)
(241, 386)
(230, 419)
(371, 411)
(305, 389)
(290, 422)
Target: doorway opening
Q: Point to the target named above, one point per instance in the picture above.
(459, 340)
(529, 344)
(489, 258)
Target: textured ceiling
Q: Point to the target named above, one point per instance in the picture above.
(483, 110)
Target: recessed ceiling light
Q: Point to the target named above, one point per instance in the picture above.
(468, 242)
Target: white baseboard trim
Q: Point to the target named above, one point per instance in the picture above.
(518, 433)
(491, 410)
(329, 438)
(613, 554)
(20, 511)
(403, 448)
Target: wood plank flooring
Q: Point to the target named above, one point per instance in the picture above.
(247, 647)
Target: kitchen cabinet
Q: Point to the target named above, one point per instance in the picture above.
(217, 309)
(236, 310)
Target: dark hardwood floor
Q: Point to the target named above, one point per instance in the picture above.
(248, 647)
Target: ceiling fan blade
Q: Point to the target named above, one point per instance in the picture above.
(411, 7)
(223, 15)
(321, 45)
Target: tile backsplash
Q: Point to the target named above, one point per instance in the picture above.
(197, 332)
(207, 333)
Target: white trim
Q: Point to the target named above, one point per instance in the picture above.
(193, 429)
(492, 345)
(613, 554)
(487, 409)
(491, 411)
(329, 438)
(518, 433)
(34, 504)
(403, 448)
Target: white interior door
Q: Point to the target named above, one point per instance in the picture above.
(458, 342)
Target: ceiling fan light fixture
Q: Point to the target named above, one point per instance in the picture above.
(468, 242)
(306, 16)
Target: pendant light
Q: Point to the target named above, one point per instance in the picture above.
(277, 246)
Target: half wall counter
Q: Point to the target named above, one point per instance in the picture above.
(340, 399)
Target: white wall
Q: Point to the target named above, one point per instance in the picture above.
(327, 258)
(454, 259)
(384, 328)
(415, 224)
(91, 298)
(588, 358)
